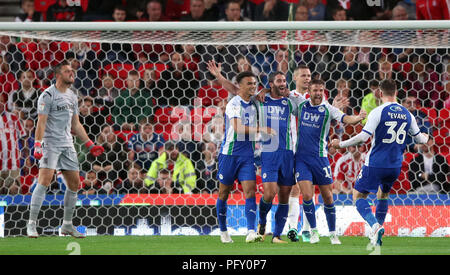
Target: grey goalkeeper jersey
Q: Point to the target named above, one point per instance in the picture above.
(60, 108)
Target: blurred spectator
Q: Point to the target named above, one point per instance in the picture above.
(28, 13)
(207, 168)
(110, 165)
(10, 54)
(409, 103)
(8, 82)
(107, 93)
(90, 117)
(347, 169)
(28, 164)
(177, 84)
(23, 101)
(386, 71)
(399, 13)
(410, 7)
(424, 82)
(354, 9)
(101, 10)
(134, 183)
(301, 13)
(262, 57)
(339, 14)
(343, 91)
(91, 185)
(119, 14)
(154, 12)
(428, 171)
(11, 130)
(372, 99)
(282, 63)
(432, 10)
(62, 11)
(132, 104)
(84, 78)
(348, 68)
(144, 146)
(272, 10)
(211, 94)
(243, 65)
(198, 12)
(316, 10)
(181, 169)
(233, 12)
(182, 135)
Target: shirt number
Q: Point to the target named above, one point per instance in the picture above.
(398, 136)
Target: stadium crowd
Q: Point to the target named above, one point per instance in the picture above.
(157, 111)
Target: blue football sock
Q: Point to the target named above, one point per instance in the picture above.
(264, 208)
(381, 210)
(363, 207)
(221, 208)
(250, 212)
(310, 211)
(330, 213)
(280, 219)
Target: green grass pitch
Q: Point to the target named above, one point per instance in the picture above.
(211, 245)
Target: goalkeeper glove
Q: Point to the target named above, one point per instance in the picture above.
(38, 153)
(95, 150)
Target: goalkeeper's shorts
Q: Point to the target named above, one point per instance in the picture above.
(59, 158)
(370, 178)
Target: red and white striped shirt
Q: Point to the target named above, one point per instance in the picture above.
(11, 130)
(347, 169)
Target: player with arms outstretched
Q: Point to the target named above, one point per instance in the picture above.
(311, 162)
(389, 124)
(236, 157)
(57, 119)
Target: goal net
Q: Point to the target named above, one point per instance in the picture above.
(142, 87)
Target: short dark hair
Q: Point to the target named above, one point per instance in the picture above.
(374, 83)
(336, 10)
(243, 75)
(227, 4)
(316, 82)
(57, 68)
(120, 7)
(388, 87)
(273, 75)
(169, 145)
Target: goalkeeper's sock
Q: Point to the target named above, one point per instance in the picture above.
(381, 210)
(363, 207)
(221, 208)
(294, 212)
(250, 213)
(310, 212)
(280, 219)
(330, 214)
(70, 200)
(264, 208)
(37, 198)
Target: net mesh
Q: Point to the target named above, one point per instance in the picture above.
(138, 90)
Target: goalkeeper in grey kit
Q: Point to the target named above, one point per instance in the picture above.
(57, 120)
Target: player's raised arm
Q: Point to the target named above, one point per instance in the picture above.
(216, 71)
(355, 119)
(80, 132)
